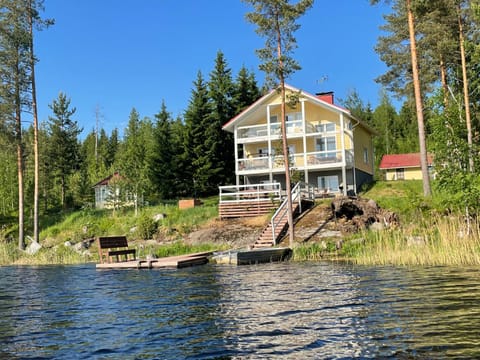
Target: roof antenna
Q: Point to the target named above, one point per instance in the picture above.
(323, 79)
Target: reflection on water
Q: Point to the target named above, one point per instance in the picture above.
(289, 310)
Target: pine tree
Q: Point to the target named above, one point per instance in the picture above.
(15, 84)
(275, 20)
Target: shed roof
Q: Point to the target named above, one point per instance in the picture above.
(395, 161)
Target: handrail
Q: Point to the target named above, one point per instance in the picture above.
(300, 191)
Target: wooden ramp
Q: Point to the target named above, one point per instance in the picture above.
(175, 262)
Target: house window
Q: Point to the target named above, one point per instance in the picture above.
(294, 116)
(400, 174)
(326, 127)
(262, 152)
(329, 183)
(327, 145)
(365, 155)
(274, 119)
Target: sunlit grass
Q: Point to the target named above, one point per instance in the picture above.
(440, 241)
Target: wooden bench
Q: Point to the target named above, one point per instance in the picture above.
(114, 246)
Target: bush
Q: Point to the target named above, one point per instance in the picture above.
(146, 227)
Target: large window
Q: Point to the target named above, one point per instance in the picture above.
(294, 116)
(327, 145)
(329, 183)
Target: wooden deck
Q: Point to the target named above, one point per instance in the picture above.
(175, 262)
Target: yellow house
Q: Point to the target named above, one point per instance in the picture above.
(403, 166)
(331, 149)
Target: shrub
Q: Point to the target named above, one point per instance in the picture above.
(146, 227)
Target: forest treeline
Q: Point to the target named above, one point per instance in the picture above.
(168, 157)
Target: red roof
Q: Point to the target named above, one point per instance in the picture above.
(106, 181)
(395, 161)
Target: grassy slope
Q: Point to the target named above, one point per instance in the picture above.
(442, 243)
(84, 224)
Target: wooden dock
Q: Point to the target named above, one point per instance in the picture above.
(250, 257)
(176, 262)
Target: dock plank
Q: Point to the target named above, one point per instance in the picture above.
(179, 261)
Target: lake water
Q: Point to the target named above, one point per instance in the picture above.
(272, 311)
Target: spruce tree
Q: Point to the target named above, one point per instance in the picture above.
(163, 160)
(197, 155)
(132, 160)
(220, 143)
(63, 150)
(246, 90)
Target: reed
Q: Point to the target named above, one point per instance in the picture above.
(8, 253)
(436, 241)
(314, 252)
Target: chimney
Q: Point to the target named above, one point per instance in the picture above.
(326, 96)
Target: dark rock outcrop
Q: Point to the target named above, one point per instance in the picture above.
(356, 213)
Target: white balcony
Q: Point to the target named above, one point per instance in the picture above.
(301, 161)
(294, 128)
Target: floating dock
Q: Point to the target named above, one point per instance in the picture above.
(176, 262)
(250, 257)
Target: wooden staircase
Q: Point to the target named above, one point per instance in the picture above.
(278, 225)
(271, 233)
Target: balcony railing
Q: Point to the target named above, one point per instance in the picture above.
(311, 160)
(293, 128)
(250, 192)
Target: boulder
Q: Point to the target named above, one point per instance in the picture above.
(158, 217)
(33, 248)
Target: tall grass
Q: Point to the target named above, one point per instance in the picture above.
(10, 255)
(439, 241)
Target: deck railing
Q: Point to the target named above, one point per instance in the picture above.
(295, 127)
(250, 192)
(317, 159)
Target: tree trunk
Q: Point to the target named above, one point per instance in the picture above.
(418, 102)
(443, 79)
(35, 130)
(288, 186)
(466, 98)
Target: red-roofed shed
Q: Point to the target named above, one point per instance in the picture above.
(403, 166)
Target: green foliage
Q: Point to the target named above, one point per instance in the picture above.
(63, 152)
(180, 248)
(457, 185)
(276, 20)
(146, 227)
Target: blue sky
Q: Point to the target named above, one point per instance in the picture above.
(118, 55)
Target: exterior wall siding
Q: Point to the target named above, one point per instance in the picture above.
(408, 174)
(255, 155)
(363, 140)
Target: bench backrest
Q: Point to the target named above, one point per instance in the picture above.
(108, 242)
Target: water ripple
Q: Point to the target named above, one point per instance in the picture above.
(288, 311)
